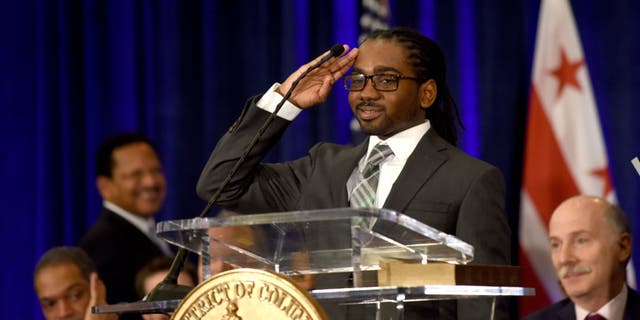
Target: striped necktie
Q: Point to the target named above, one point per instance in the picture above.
(364, 193)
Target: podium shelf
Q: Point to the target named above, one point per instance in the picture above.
(364, 295)
(419, 293)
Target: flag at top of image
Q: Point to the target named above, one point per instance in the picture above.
(565, 153)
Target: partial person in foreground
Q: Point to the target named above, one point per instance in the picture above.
(399, 95)
(590, 247)
(154, 272)
(132, 185)
(67, 285)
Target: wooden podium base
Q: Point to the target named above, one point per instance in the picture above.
(411, 274)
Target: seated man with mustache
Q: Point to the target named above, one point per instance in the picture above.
(590, 248)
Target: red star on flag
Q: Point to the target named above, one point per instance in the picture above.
(566, 72)
(603, 173)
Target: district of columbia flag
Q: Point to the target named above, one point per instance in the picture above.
(565, 153)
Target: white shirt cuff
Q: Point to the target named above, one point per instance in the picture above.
(270, 100)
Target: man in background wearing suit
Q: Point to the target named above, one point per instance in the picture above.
(123, 240)
(590, 248)
(399, 95)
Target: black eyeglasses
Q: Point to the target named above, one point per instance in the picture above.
(381, 82)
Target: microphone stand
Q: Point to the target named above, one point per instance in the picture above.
(168, 288)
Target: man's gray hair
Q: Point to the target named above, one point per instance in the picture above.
(618, 219)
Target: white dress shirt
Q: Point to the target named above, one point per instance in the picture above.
(613, 310)
(402, 144)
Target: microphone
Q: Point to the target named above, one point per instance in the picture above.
(168, 289)
(335, 51)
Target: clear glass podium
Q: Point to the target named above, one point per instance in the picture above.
(312, 242)
(319, 242)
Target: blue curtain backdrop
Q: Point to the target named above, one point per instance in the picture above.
(73, 72)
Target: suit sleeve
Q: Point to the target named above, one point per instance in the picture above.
(254, 187)
(482, 223)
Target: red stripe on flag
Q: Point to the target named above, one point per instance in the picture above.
(547, 178)
(531, 304)
(548, 182)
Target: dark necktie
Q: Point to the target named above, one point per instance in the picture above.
(364, 193)
(595, 316)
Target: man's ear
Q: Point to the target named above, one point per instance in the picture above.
(428, 93)
(104, 187)
(624, 244)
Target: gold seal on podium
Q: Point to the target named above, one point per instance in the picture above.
(248, 294)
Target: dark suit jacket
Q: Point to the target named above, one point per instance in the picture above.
(565, 309)
(440, 185)
(119, 250)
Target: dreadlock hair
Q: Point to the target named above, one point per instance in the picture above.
(424, 55)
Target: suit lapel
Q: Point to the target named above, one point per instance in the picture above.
(344, 163)
(421, 165)
(567, 312)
